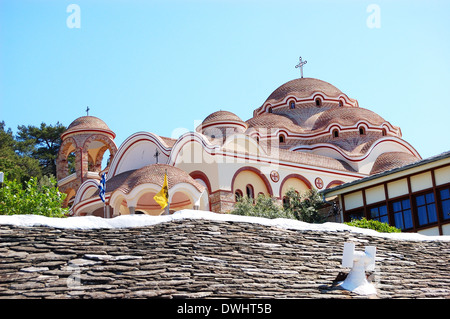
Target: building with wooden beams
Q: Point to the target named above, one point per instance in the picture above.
(413, 197)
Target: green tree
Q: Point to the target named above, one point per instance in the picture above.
(304, 207)
(12, 163)
(41, 143)
(33, 198)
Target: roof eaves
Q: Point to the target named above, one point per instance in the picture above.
(388, 172)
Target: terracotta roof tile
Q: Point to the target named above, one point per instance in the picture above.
(273, 121)
(391, 160)
(303, 87)
(152, 174)
(346, 116)
(221, 116)
(86, 123)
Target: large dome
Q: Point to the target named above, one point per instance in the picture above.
(87, 123)
(302, 88)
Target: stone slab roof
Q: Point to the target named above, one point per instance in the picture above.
(208, 259)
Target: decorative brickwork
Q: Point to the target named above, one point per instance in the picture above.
(221, 201)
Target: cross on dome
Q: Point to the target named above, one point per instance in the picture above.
(300, 65)
(87, 111)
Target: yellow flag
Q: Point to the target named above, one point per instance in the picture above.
(162, 198)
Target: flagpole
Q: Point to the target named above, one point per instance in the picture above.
(102, 192)
(168, 202)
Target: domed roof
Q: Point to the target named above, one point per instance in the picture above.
(302, 88)
(224, 117)
(391, 160)
(347, 116)
(273, 121)
(88, 123)
(150, 174)
(221, 116)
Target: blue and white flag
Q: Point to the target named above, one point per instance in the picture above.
(102, 187)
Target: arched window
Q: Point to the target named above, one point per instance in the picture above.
(257, 139)
(341, 104)
(335, 133)
(292, 105)
(318, 102)
(362, 131)
(238, 195)
(384, 132)
(71, 162)
(281, 139)
(270, 110)
(250, 191)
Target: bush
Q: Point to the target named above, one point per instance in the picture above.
(304, 207)
(266, 207)
(373, 224)
(38, 199)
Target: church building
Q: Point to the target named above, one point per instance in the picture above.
(307, 134)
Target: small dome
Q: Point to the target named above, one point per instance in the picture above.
(391, 160)
(346, 116)
(87, 123)
(273, 121)
(151, 174)
(221, 118)
(302, 88)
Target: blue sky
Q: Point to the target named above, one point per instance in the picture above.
(163, 66)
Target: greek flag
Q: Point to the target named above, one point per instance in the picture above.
(102, 187)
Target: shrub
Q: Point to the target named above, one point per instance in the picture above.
(32, 198)
(264, 206)
(373, 224)
(304, 207)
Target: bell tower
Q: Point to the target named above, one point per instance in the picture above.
(83, 147)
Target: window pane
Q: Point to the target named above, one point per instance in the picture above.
(373, 213)
(445, 194)
(432, 218)
(408, 219)
(430, 198)
(357, 215)
(422, 212)
(382, 210)
(405, 204)
(397, 206)
(384, 219)
(398, 220)
(446, 209)
(420, 200)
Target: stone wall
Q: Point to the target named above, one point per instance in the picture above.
(209, 259)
